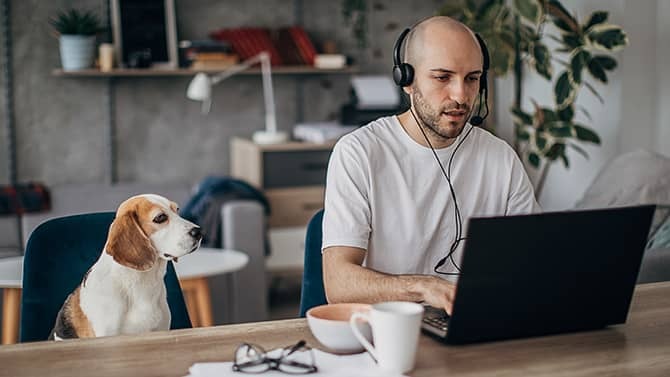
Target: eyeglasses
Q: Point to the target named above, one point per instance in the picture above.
(295, 359)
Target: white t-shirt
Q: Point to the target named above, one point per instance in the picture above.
(386, 193)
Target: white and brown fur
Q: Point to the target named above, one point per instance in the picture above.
(124, 292)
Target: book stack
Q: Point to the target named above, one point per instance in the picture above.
(208, 54)
(286, 46)
(320, 132)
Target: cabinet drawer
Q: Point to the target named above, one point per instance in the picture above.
(294, 168)
(294, 206)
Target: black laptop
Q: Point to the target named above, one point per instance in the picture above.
(544, 274)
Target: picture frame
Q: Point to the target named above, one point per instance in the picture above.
(141, 26)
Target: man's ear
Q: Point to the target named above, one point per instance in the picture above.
(128, 244)
(408, 90)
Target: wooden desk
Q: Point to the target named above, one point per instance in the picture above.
(639, 348)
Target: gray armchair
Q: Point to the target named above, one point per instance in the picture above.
(639, 177)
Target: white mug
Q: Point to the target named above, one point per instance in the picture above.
(395, 330)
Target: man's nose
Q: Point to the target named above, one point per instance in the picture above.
(459, 92)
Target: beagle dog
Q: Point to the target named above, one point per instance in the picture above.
(124, 291)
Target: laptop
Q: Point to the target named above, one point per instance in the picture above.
(545, 273)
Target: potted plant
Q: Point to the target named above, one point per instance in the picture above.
(515, 31)
(76, 33)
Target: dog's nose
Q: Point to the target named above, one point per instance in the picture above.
(195, 232)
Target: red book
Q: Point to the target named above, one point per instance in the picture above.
(305, 46)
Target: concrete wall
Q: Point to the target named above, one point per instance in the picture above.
(162, 137)
(61, 123)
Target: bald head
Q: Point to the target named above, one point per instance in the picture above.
(439, 32)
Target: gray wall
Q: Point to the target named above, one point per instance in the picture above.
(61, 123)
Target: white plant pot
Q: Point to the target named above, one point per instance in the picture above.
(77, 51)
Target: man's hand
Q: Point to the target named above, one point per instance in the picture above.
(437, 292)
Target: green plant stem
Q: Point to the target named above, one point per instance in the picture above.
(518, 71)
(544, 170)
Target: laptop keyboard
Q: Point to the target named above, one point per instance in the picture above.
(435, 321)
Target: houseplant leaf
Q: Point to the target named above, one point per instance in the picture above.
(520, 116)
(561, 129)
(567, 113)
(577, 64)
(529, 9)
(561, 17)
(542, 60)
(607, 37)
(606, 62)
(596, 18)
(586, 134)
(534, 159)
(597, 71)
(564, 90)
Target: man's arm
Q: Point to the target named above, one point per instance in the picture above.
(346, 280)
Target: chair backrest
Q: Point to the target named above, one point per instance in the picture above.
(313, 293)
(58, 254)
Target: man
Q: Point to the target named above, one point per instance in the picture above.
(395, 205)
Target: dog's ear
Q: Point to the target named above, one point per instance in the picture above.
(128, 244)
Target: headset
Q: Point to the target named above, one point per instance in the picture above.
(403, 75)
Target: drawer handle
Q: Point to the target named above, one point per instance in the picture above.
(314, 166)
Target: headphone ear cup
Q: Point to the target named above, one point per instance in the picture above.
(403, 74)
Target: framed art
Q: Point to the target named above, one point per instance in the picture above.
(145, 33)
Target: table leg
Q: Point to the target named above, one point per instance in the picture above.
(204, 303)
(198, 301)
(11, 306)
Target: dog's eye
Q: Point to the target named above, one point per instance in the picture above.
(161, 218)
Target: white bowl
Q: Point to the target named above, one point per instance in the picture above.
(330, 326)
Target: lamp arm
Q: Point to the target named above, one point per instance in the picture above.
(268, 93)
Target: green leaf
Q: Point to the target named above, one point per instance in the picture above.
(577, 64)
(606, 62)
(572, 41)
(540, 142)
(565, 160)
(560, 129)
(556, 150)
(534, 159)
(542, 60)
(548, 115)
(608, 37)
(564, 90)
(597, 17)
(521, 132)
(529, 9)
(586, 134)
(567, 113)
(597, 71)
(558, 12)
(521, 116)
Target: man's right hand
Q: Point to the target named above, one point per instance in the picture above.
(437, 292)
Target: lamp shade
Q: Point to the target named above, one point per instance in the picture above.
(200, 88)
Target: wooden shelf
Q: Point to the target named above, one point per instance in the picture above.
(123, 72)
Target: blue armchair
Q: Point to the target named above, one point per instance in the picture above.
(313, 293)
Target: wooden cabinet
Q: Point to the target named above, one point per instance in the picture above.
(292, 175)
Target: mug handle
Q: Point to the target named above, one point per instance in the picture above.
(359, 336)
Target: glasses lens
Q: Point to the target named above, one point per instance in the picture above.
(299, 361)
(250, 358)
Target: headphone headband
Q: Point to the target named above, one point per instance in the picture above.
(403, 73)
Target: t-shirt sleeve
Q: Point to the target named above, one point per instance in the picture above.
(521, 199)
(346, 219)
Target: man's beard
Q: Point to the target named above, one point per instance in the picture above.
(431, 117)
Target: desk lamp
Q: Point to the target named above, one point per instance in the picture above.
(200, 89)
